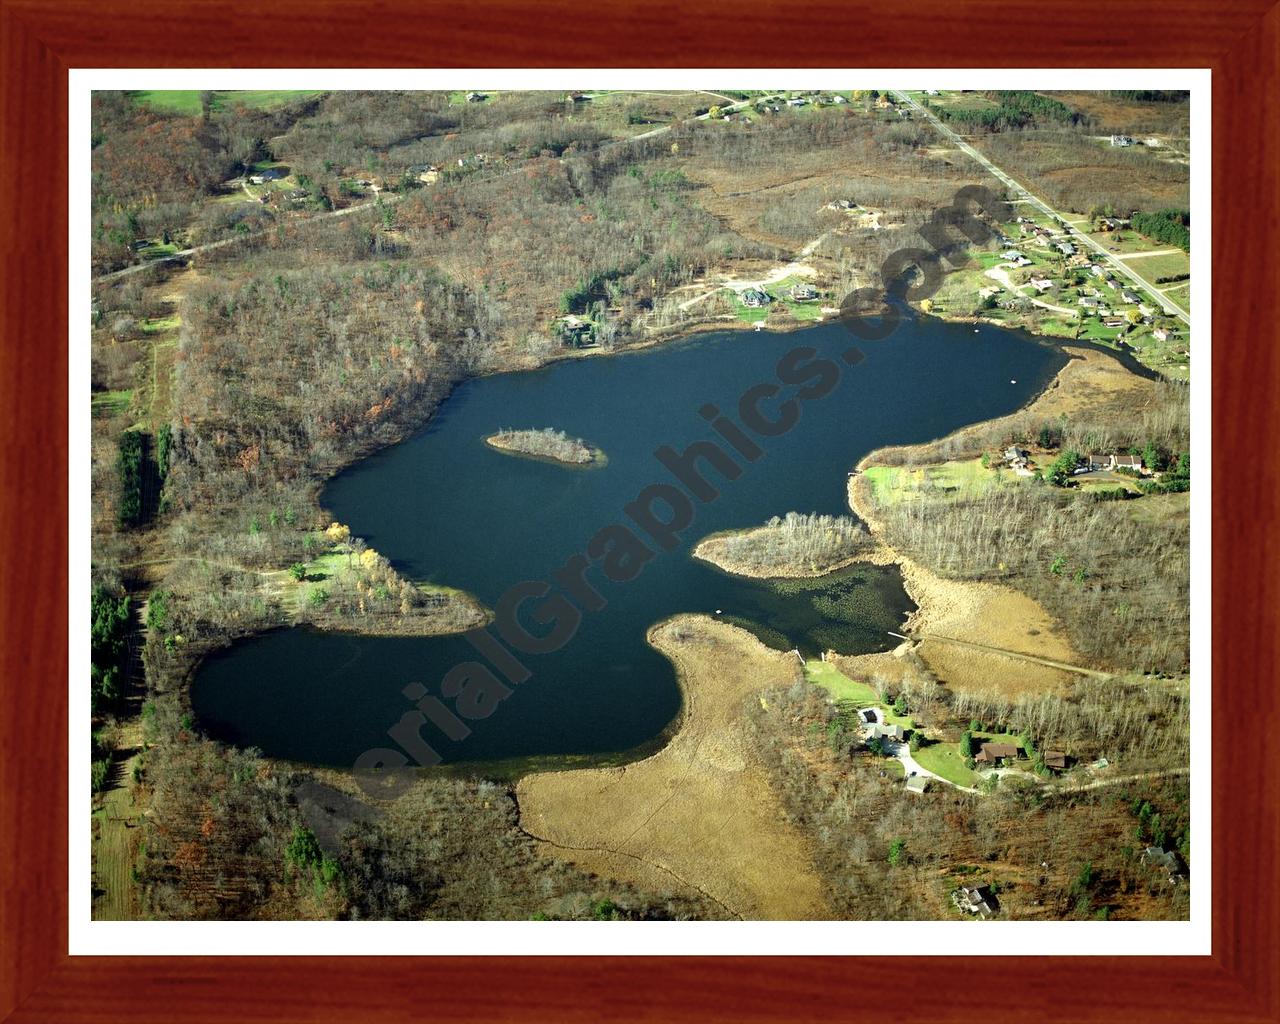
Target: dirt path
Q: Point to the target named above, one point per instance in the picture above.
(699, 814)
(1144, 255)
(115, 822)
(1033, 659)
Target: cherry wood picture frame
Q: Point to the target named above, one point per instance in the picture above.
(41, 39)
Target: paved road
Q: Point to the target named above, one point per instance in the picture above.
(387, 200)
(1018, 192)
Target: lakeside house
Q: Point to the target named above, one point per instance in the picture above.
(994, 753)
(1017, 458)
(976, 899)
(755, 298)
(575, 332)
(803, 292)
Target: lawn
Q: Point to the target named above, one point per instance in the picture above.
(839, 685)
(943, 759)
(157, 250)
(808, 310)
(160, 324)
(187, 101)
(966, 479)
(111, 403)
(748, 314)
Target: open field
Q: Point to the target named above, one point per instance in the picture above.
(958, 480)
(187, 101)
(700, 812)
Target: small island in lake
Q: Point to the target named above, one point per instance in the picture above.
(794, 546)
(547, 443)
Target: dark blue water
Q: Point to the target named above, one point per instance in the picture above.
(445, 507)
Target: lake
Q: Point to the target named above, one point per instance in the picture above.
(446, 507)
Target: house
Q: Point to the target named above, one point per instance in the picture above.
(476, 97)
(1015, 454)
(1121, 140)
(1113, 321)
(1088, 302)
(1101, 463)
(1066, 248)
(1010, 254)
(841, 204)
(1133, 462)
(1166, 860)
(754, 298)
(1041, 284)
(992, 753)
(837, 98)
(886, 732)
(931, 92)
(1128, 296)
(797, 101)
(1096, 270)
(1022, 261)
(1161, 334)
(803, 292)
(976, 899)
(1056, 760)
(870, 715)
(575, 332)
(426, 173)
(917, 784)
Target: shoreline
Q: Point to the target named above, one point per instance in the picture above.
(686, 813)
(977, 610)
(708, 551)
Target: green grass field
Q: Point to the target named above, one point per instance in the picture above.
(944, 759)
(159, 325)
(111, 403)
(839, 685)
(808, 310)
(187, 101)
(967, 479)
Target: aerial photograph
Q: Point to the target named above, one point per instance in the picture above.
(621, 505)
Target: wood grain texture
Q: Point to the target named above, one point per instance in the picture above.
(39, 41)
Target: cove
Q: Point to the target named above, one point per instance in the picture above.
(446, 507)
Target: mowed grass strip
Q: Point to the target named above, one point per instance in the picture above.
(187, 101)
(839, 685)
